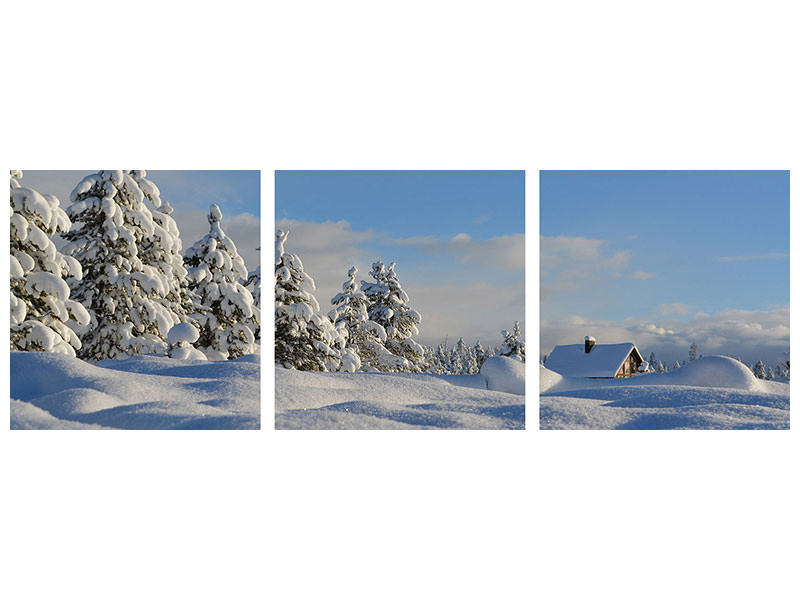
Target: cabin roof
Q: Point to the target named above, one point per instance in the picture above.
(604, 360)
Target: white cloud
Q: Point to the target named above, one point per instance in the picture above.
(505, 252)
(568, 263)
(478, 310)
(674, 308)
(749, 334)
(768, 256)
(328, 250)
(482, 309)
(642, 275)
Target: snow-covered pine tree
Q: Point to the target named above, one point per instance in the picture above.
(162, 251)
(466, 357)
(253, 285)
(693, 352)
(304, 338)
(42, 314)
(513, 345)
(653, 362)
(388, 306)
(124, 294)
(364, 336)
(759, 370)
(215, 272)
(480, 356)
(457, 357)
(439, 361)
(677, 365)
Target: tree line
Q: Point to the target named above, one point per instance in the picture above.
(371, 326)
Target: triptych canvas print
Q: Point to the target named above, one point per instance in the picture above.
(399, 300)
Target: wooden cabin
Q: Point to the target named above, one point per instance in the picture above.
(595, 361)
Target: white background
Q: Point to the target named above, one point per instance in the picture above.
(440, 85)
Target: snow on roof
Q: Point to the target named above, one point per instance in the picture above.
(603, 361)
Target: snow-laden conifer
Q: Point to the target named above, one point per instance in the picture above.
(42, 312)
(253, 284)
(229, 317)
(759, 370)
(304, 338)
(123, 290)
(163, 249)
(461, 362)
(513, 345)
(480, 355)
(365, 337)
(388, 306)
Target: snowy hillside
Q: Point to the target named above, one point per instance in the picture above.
(56, 391)
(715, 392)
(316, 400)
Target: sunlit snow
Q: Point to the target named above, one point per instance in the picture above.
(141, 392)
(714, 392)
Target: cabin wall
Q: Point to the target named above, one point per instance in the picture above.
(628, 368)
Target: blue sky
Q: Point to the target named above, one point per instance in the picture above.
(457, 238)
(190, 193)
(670, 249)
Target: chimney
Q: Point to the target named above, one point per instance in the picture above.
(588, 342)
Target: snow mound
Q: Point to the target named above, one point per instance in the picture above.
(182, 332)
(504, 374)
(56, 391)
(715, 392)
(712, 371)
(325, 400)
(548, 379)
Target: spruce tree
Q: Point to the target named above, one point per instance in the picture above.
(228, 318)
(693, 352)
(365, 337)
(759, 370)
(253, 285)
(163, 252)
(42, 314)
(304, 338)
(123, 293)
(388, 307)
(480, 355)
(513, 345)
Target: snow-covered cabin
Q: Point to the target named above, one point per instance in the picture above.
(596, 361)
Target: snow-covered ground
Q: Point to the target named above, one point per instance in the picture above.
(316, 400)
(715, 392)
(56, 391)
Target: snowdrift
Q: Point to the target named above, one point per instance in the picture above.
(710, 371)
(316, 400)
(548, 379)
(714, 392)
(504, 374)
(55, 391)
